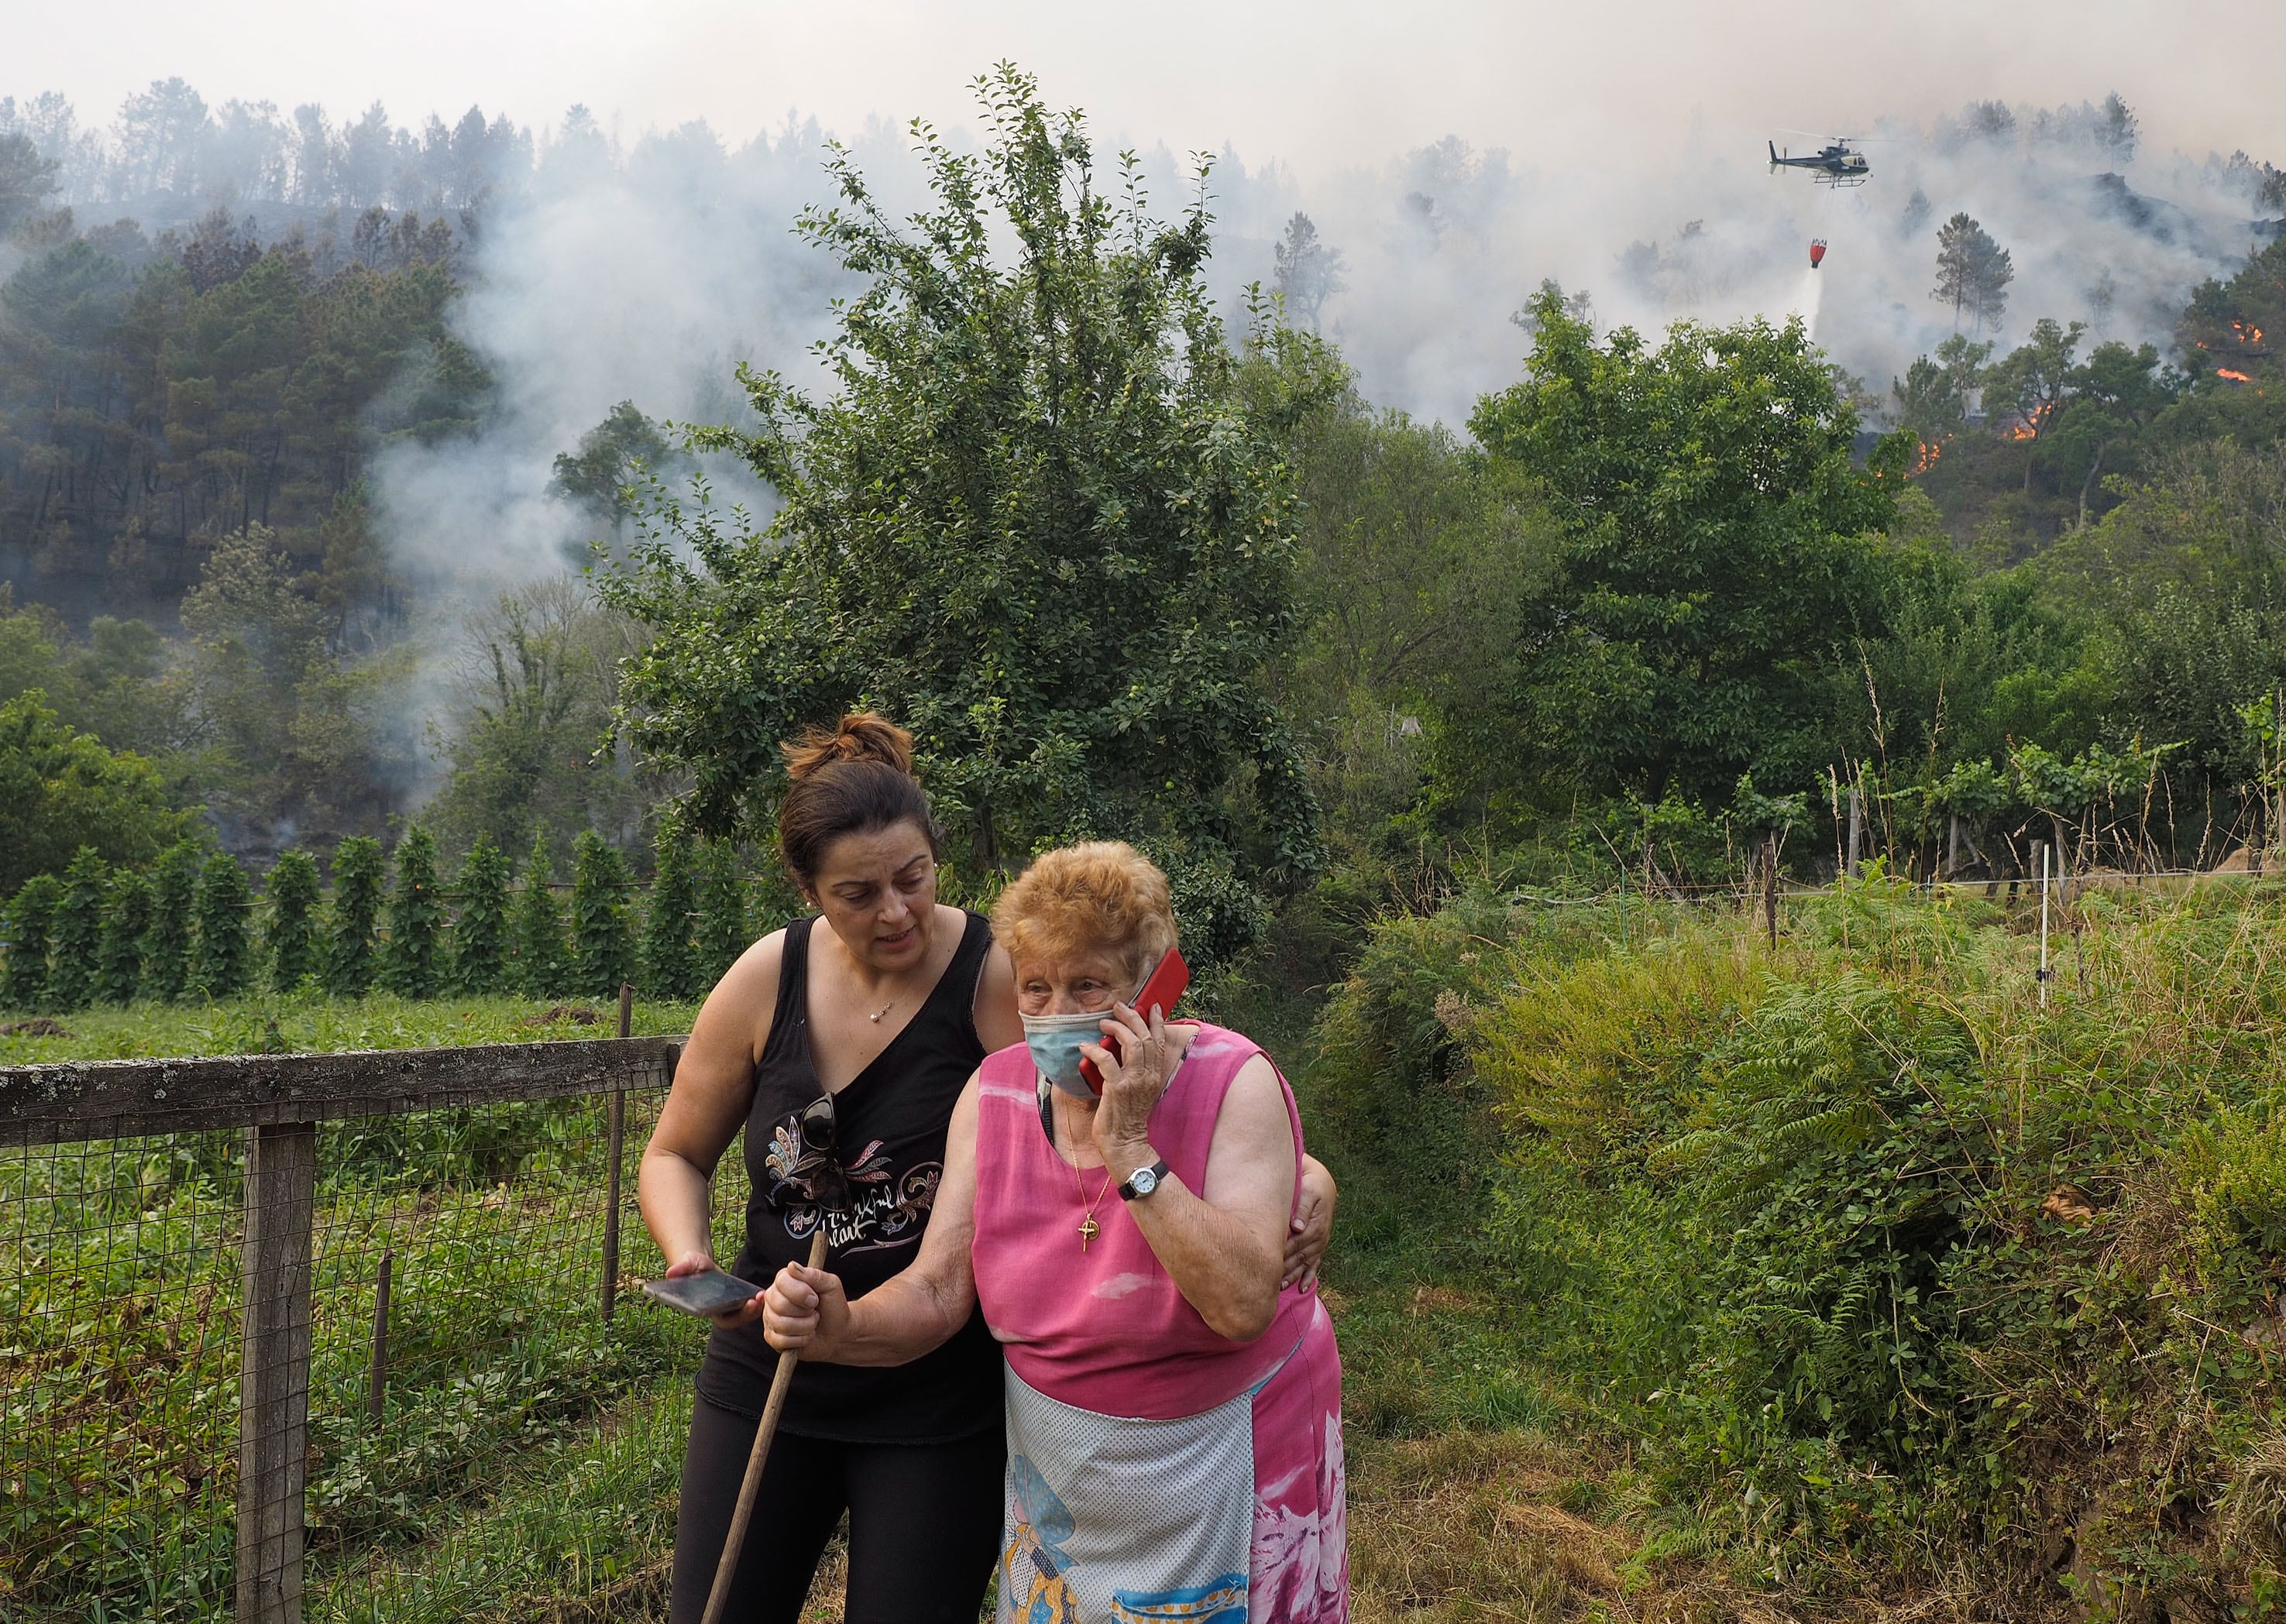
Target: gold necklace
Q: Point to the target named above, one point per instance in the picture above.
(1088, 1228)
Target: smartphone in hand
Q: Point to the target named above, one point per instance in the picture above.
(705, 1294)
(1162, 991)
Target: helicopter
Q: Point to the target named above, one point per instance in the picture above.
(1839, 164)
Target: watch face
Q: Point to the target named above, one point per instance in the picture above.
(1144, 1181)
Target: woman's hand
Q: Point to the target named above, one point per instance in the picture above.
(1312, 1227)
(1133, 1080)
(805, 1311)
(730, 1319)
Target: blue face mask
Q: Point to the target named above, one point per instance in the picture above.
(1054, 1041)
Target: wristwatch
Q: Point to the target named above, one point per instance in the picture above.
(1142, 1181)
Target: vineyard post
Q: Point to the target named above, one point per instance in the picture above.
(618, 1139)
(378, 1381)
(1770, 885)
(1857, 826)
(2040, 853)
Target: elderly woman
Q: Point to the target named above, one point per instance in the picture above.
(1173, 1412)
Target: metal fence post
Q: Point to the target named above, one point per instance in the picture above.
(274, 1382)
(618, 1139)
(377, 1377)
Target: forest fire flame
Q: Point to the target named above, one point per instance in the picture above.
(2022, 431)
(2235, 376)
(1925, 455)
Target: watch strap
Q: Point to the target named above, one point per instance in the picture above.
(1158, 1175)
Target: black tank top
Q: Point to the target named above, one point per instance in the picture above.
(890, 1122)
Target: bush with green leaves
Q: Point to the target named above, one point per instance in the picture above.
(222, 953)
(349, 945)
(479, 940)
(602, 942)
(543, 966)
(167, 945)
(409, 963)
(119, 954)
(670, 960)
(31, 913)
(722, 933)
(291, 947)
(76, 934)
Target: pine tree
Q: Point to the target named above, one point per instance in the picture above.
(722, 933)
(292, 944)
(356, 903)
(480, 933)
(416, 919)
(539, 969)
(166, 945)
(118, 956)
(75, 937)
(1973, 271)
(23, 979)
(670, 963)
(222, 954)
(602, 946)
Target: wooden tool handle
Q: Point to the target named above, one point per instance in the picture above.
(719, 1596)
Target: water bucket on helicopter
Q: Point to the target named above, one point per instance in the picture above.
(1817, 252)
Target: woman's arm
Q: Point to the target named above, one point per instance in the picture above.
(911, 1313)
(1223, 1246)
(712, 1091)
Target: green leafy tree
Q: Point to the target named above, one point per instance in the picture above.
(1719, 554)
(76, 937)
(292, 947)
(612, 455)
(119, 955)
(722, 915)
(1933, 395)
(409, 965)
(166, 945)
(23, 979)
(222, 955)
(1039, 522)
(480, 930)
(541, 965)
(60, 790)
(602, 942)
(357, 906)
(670, 963)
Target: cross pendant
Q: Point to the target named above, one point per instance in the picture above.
(1088, 1230)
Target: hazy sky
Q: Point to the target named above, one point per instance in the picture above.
(1318, 85)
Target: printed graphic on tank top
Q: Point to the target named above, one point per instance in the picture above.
(890, 1122)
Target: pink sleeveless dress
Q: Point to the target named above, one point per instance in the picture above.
(1156, 1470)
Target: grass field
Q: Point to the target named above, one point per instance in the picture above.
(1677, 1278)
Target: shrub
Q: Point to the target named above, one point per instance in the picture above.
(541, 969)
(119, 954)
(416, 917)
(480, 932)
(167, 947)
(602, 946)
(75, 937)
(292, 946)
(670, 964)
(357, 905)
(723, 919)
(24, 980)
(222, 957)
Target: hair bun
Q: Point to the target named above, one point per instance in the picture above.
(860, 736)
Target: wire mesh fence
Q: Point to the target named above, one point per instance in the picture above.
(336, 1337)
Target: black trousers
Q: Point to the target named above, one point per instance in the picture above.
(924, 1524)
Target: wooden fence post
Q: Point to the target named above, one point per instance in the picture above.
(1857, 827)
(618, 1139)
(274, 1382)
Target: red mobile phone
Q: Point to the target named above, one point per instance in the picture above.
(1160, 992)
